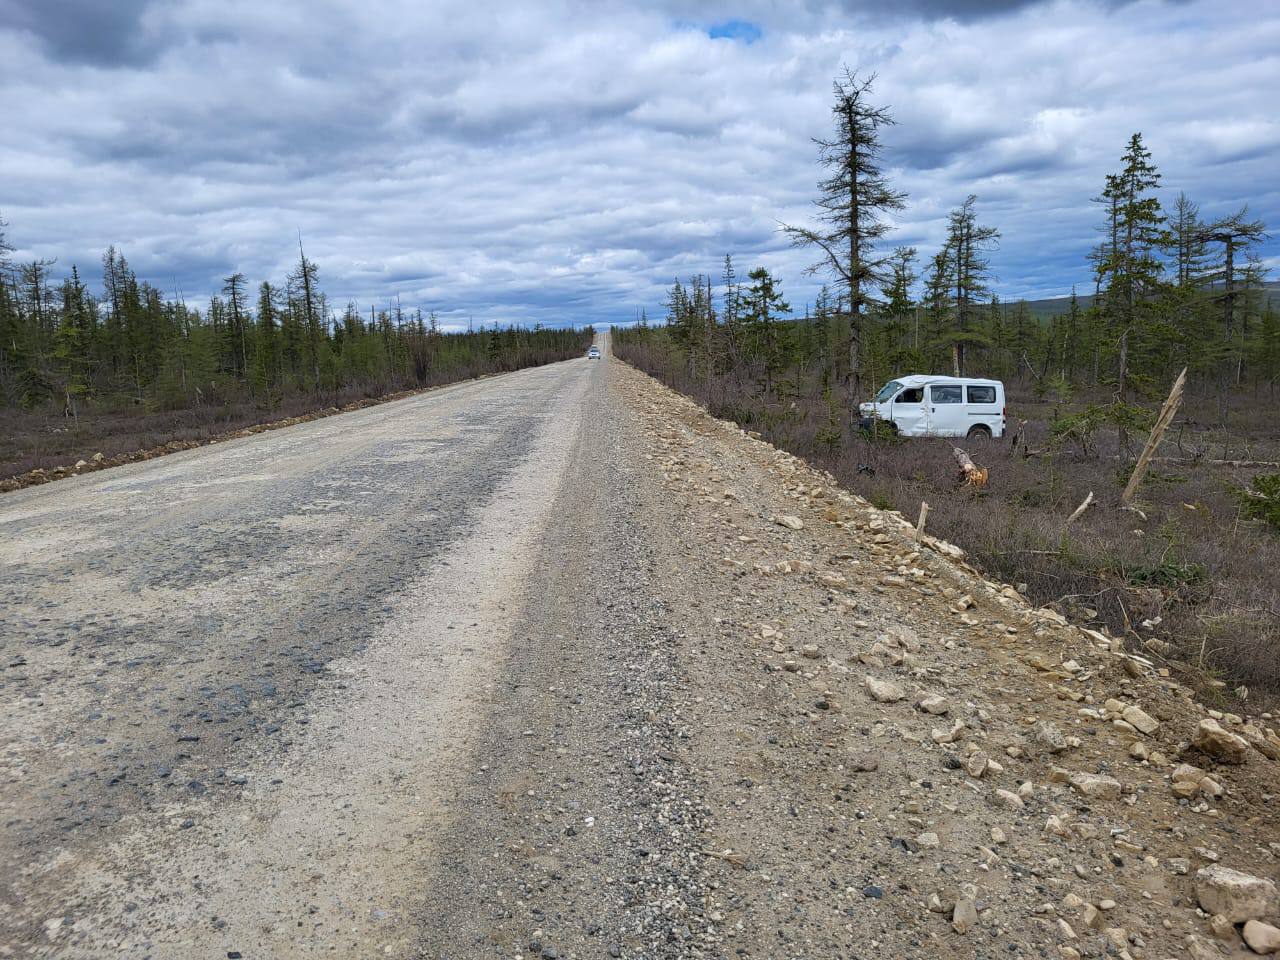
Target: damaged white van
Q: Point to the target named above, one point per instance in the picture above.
(924, 406)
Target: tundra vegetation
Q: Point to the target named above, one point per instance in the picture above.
(131, 369)
(1186, 571)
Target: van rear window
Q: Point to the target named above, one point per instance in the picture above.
(982, 394)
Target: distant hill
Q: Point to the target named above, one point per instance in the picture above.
(1043, 309)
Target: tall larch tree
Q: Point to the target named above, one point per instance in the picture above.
(854, 202)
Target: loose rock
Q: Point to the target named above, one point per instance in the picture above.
(1261, 937)
(1096, 786)
(965, 916)
(884, 691)
(1049, 736)
(1140, 720)
(1236, 895)
(1213, 741)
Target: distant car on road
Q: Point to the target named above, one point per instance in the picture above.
(593, 353)
(925, 406)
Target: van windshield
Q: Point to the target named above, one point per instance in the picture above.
(887, 391)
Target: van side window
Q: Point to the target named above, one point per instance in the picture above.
(978, 394)
(945, 393)
(911, 395)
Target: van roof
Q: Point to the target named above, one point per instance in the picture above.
(920, 379)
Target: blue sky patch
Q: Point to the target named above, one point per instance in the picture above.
(743, 30)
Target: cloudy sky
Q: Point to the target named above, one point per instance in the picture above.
(561, 162)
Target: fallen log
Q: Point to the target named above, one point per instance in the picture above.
(973, 475)
(1246, 464)
(1088, 501)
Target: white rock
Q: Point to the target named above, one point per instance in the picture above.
(1186, 772)
(1049, 736)
(1237, 896)
(1210, 788)
(883, 691)
(1261, 937)
(1096, 786)
(1212, 740)
(934, 704)
(1140, 719)
(965, 916)
(1009, 799)
(977, 765)
(1268, 747)
(948, 736)
(1055, 825)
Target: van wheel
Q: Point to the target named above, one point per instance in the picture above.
(979, 432)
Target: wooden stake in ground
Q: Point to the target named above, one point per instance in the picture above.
(974, 476)
(1157, 432)
(924, 515)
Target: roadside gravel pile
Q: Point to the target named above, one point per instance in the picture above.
(904, 759)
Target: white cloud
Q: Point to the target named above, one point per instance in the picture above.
(564, 161)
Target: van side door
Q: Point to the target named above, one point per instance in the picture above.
(946, 410)
(908, 413)
(983, 408)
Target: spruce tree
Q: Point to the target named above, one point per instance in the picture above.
(968, 243)
(1129, 266)
(764, 308)
(899, 309)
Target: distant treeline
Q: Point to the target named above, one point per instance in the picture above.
(65, 347)
(1168, 289)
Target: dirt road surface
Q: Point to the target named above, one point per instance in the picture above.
(555, 665)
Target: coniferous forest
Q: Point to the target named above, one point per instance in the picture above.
(1164, 288)
(126, 366)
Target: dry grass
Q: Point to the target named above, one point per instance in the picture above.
(1206, 581)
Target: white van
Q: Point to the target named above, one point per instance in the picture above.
(923, 406)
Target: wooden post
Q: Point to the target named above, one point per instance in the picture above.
(924, 514)
(1157, 432)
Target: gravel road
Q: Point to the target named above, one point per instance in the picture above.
(239, 682)
(553, 665)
